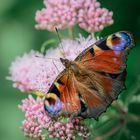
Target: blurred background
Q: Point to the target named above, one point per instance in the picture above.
(18, 35)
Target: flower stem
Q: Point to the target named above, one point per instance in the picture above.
(111, 132)
(119, 108)
(71, 32)
(132, 118)
(45, 45)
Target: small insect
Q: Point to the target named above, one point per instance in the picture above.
(90, 83)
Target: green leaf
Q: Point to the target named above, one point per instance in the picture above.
(102, 128)
(65, 120)
(98, 34)
(44, 46)
(133, 90)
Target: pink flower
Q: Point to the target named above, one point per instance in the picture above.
(60, 14)
(67, 13)
(33, 109)
(32, 72)
(32, 129)
(92, 18)
(37, 120)
(71, 48)
(35, 72)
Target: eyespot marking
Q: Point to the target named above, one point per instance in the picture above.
(53, 104)
(119, 41)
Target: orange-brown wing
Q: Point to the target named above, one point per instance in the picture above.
(109, 54)
(62, 98)
(107, 61)
(105, 67)
(97, 91)
(92, 105)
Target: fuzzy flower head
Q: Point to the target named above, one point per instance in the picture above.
(67, 13)
(32, 72)
(31, 126)
(92, 18)
(60, 14)
(36, 72)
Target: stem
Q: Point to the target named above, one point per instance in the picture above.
(71, 32)
(111, 132)
(132, 118)
(128, 117)
(118, 108)
(45, 44)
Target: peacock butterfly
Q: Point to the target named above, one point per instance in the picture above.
(90, 83)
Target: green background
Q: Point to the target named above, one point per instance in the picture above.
(18, 35)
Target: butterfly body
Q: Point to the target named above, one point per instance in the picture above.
(90, 83)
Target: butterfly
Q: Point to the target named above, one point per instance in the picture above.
(90, 83)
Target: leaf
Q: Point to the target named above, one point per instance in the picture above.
(105, 127)
(98, 34)
(133, 90)
(45, 45)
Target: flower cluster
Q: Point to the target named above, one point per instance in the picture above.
(66, 13)
(32, 129)
(32, 72)
(37, 120)
(92, 18)
(36, 72)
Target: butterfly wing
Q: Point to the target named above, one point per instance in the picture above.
(62, 98)
(97, 91)
(108, 54)
(105, 64)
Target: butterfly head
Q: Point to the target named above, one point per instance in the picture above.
(119, 41)
(65, 62)
(52, 104)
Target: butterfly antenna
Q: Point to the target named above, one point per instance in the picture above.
(59, 38)
(48, 58)
(56, 66)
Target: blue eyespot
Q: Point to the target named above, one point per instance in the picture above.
(119, 41)
(53, 109)
(126, 38)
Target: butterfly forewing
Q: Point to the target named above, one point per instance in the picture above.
(108, 55)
